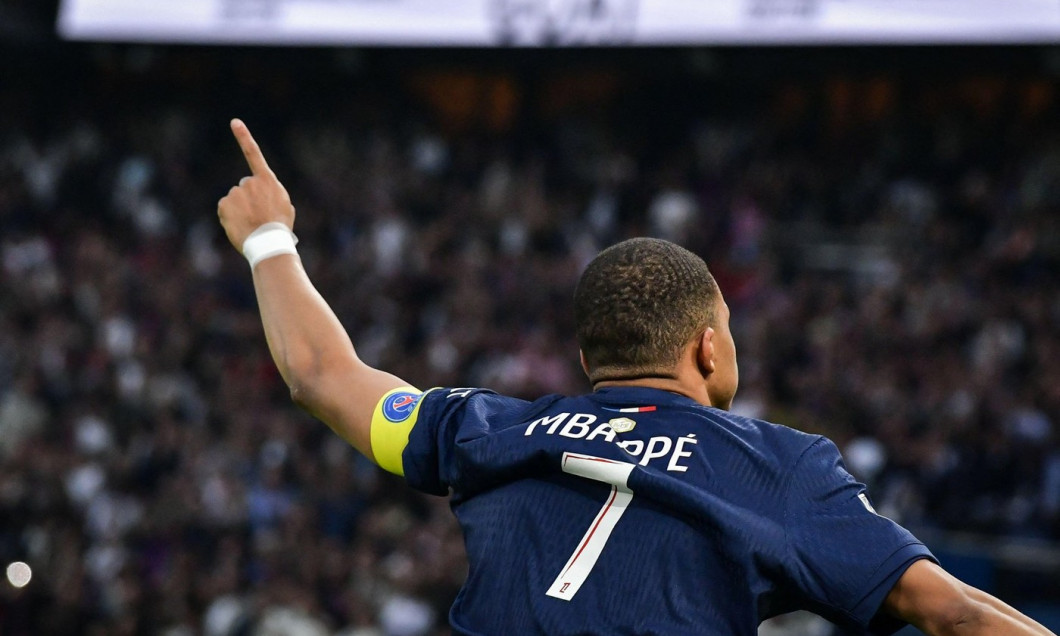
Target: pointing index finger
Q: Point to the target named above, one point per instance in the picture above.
(256, 160)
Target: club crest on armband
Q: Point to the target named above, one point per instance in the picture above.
(622, 424)
(399, 406)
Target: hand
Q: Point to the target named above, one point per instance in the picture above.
(258, 199)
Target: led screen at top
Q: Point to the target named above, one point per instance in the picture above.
(562, 22)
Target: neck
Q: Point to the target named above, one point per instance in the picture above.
(673, 384)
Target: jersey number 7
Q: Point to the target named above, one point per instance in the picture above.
(583, 559)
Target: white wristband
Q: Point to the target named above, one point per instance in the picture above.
(271, 239)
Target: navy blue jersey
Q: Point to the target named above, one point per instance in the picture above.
(640, 511)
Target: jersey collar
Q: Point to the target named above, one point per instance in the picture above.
(641, 396)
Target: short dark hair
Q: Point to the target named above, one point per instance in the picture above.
(637, 305)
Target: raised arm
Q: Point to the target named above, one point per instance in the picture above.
(309, 345)
(938, 604)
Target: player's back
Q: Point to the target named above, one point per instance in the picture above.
(628, 507)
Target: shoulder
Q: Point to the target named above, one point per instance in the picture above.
(477, 404)
(786, 445)
(764, 428)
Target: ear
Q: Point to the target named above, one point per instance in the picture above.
(705, 353)
(585, 365)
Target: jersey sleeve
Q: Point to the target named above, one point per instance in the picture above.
(434, 439)
(844, 557)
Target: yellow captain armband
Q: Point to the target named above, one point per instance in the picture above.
(392, 420)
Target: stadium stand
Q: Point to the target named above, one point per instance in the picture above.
(889, 242)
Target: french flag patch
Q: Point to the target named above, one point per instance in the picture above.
(631, 409)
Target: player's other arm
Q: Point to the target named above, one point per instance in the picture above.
(309, 345)
(939, 604)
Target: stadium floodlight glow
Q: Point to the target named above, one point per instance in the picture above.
(563, 22)
(19, 574)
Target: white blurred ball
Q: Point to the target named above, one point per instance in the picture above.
(19, 574)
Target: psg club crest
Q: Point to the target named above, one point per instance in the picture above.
(397, 407)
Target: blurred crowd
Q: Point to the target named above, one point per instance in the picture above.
(890, 251)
